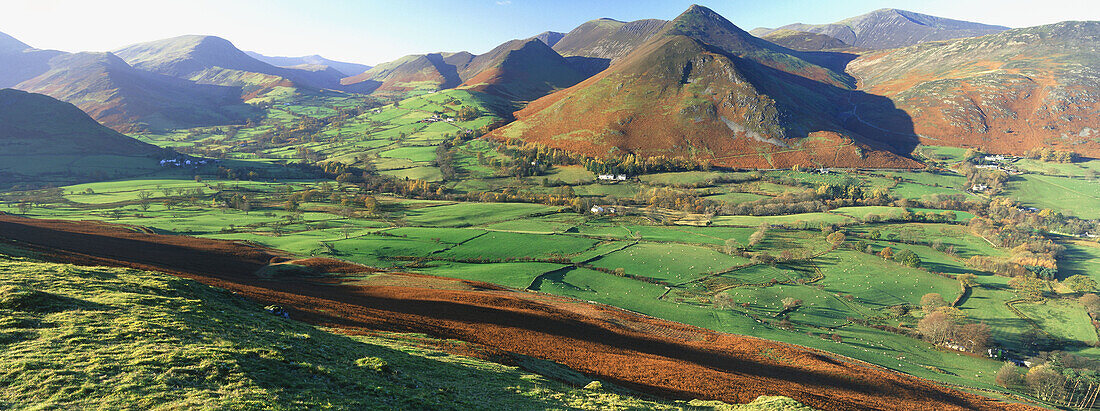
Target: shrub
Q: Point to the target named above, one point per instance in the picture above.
(375, 364)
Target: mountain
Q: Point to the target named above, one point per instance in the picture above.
(426, 72)
(127, 99)
(550, 37)
(9, 44)
(704, 88)
(607, 38)
(1006, 92)
(213, 60)
(804, 41)
(43, 139)
(520, 70)
(892, 28)
(20, 62)
(345, 68)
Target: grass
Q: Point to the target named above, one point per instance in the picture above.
(792, 219)
(1072, 196)
(673, 263)
(1063, 319)
(469, 214)
(118, 338)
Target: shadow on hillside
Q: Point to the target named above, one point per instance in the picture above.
(808, 105)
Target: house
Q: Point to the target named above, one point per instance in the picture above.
(620, 177)
(597, 210)
(979, 187)
(823, 171)
(987, 166)
(994, 158)
(603, 210)
(605, 177)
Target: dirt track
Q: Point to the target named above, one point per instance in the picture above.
(651, 355)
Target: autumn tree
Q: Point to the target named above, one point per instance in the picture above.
(1080, 283)
(975, 337)
(1009, 376)
(931, 301)
(836, 238)
(1091, 302)
(758, 235)
(1045, 382)
(791, 303)
(886, 253)
(937, 327)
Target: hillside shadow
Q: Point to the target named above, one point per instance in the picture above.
(588, 66)
(448, 71)
(807, 105)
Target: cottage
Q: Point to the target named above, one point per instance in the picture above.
(621, 177)
(605, 177)
(979, 187)
(597, 210)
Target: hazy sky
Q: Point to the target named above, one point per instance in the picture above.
(373, 31)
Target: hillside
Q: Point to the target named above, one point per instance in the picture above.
(804, 41)
(123, 337)
(520, 70)
(42, 139)
(607, 38)
(20, 62)
(892, 28)
(706, 89)
(345, 68)
(549, 37)
(127, 99)
(213, 60)
(423, 72)
(1008, 92)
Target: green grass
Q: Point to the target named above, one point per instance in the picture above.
(861, 212)
(673, 263)
(116, 338)
(792, 219)
(502, 245)
(469, 214)
(1063, 319)
(1072, 196)
(515, 275)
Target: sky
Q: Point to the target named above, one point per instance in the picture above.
(375, 31)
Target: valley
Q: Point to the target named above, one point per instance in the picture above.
(651, 214)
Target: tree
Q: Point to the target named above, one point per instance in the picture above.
(758, 236)
(937, 327)
(908, 258)
(886, 253)
(347, 229)
(791, 303)
(1009, 376)
(1080, 283)
(1045, 382)
(143, 199)
(1091, 302)
(969, 279)
(975, 337)
(24, 207)
(836, 238)
(931, 301)
(1031, 286)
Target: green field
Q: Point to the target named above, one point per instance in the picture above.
(1073, 196)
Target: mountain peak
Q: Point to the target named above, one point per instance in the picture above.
(9, 44)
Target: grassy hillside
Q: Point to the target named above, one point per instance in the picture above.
(76, 337)
(1007, 92)
(705, 89)
(804, 41)
(892, 28)
(45, 140)
(127, 99)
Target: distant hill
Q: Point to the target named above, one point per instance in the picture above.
(427, 72)
(892, 28)
(607, 38)
(127, 99)
(1007, 92)
(46, 140)
(520, 70)
(804, 41)
(550, 37)
(704, 88)
(20, 62)
(345, 68)
(213, 60)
